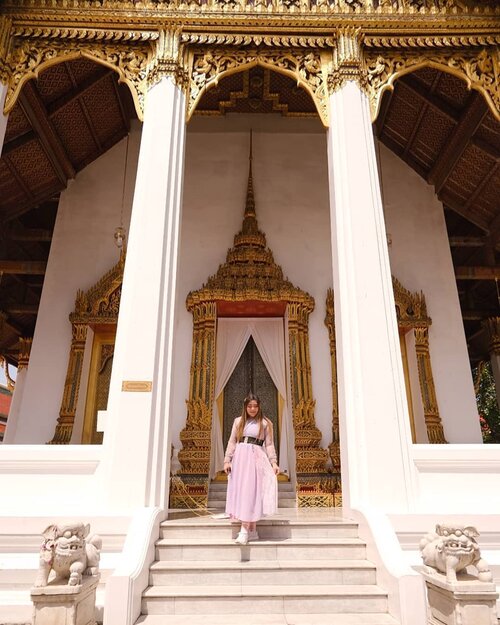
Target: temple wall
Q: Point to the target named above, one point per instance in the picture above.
(421, 260)
(82, 250)
(291, 191)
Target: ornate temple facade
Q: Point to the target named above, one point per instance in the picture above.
(201, 198)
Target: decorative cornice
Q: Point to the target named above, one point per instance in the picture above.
(250, 272)
(101, 302)
(410, 307)
(432, 41)
(271, 41)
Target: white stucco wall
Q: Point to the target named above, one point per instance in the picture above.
(291, 191)
(291, 188)
(82, 250)
(421, 260)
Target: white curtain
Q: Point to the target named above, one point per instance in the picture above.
(232, 337)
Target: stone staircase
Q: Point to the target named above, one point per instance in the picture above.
(309, 568)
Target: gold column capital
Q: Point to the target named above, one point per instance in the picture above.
(24, 353)
(168, 59)
(348, 61)
(492, 327)
(5, 38)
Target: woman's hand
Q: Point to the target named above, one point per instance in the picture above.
(227, 468)
(276, 468)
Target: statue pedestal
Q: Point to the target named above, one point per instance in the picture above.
(467, 601)
(65, 605)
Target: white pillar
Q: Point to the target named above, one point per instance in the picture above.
(3, 118)
(374, 425)
(136, 431)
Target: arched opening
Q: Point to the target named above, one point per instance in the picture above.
(72, 114)
(449, 136)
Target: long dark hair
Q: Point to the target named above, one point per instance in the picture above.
(259, 417)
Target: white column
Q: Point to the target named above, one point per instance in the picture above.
(3, 118)
(136, 432)
(374, 423)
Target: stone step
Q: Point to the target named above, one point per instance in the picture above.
(267, 528)
(254, 599)
(267, 619)
(288, 549)
(285, 572)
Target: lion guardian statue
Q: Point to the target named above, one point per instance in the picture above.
(68, 552)
(451, 550)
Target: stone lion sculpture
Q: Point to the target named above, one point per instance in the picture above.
(68, 552)
(450, 550)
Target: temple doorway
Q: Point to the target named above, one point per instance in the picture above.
(250, 375)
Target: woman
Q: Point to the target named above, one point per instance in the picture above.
(251, 463)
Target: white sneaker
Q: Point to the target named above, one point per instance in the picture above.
(242, 538)
(253, 535)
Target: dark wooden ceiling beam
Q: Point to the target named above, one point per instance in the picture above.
(22, 309)
(78, 91)
(19, 233)
(477, 273)
(35, 111)
(470, 120)
(479, 314)
(415, 86)
(18, 142)
(463, 210)
(85, 111)
(25, 267)
(467, 241)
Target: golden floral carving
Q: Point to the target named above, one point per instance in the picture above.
(31, 56)
(24, 353)
(480, 69)
(492, 327)
(168, 59)
(334, 447)
(305, 66)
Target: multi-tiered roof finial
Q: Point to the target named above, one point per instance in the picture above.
(249, 272)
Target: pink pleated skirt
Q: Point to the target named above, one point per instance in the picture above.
(252, 488)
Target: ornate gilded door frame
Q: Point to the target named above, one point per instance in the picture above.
(99, 306)
(411, 310)
(249, 275)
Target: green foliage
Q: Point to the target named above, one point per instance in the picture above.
(489, 413)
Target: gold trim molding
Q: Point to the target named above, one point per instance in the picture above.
(198, 43)
(97, 306)
(24, 353)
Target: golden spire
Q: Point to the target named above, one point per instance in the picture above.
(250, 233)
